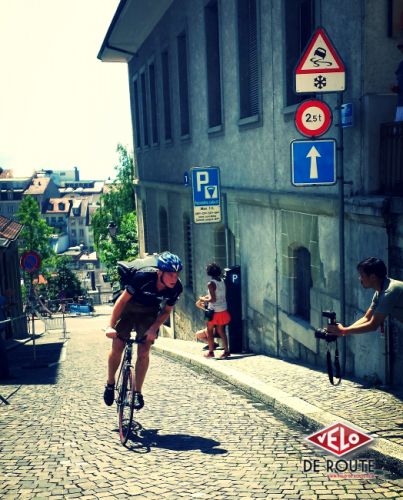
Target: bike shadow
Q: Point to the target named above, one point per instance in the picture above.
(142, 440)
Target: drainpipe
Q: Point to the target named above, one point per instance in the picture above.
(390, 229)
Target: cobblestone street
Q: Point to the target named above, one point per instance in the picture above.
(199, 439)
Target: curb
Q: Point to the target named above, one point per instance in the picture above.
(310, 416)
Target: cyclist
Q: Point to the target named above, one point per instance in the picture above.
(144, 306)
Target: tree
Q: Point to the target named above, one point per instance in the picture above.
(117, 205)
(35, 234)
(63, 281)
(118, 200)
(123, 247)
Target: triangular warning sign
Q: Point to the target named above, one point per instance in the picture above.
(320, 68)
(320, 56)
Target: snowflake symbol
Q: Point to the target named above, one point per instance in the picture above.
(320, 82)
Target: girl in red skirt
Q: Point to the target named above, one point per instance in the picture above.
(217, 302)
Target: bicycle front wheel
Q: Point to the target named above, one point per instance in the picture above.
(126, 404)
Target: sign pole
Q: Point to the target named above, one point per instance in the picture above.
(340, 178)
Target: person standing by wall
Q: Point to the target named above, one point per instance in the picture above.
(217, 303)
(398, 88)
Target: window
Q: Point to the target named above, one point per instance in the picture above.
(183, 85)
(211, 25)
(249, 72)
(166, 93)
(73, 232)
(300, 23)
(145, 229)
(163, 223)
(81, 232)
(219, 247)
(153, 103)
(302, 282)
(144, 106)
(187, 230)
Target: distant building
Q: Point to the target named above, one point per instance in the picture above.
(42, 189)
(60, 177)
(11, 193)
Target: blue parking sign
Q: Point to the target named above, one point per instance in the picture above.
(206, 194)
(313, 163)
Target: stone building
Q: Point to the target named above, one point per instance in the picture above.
(10, 279)
(212, 83)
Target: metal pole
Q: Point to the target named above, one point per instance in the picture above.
(31, 299)
(225, 220)
(340, 178)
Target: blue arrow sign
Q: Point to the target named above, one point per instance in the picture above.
(313, 163)
(206, 194)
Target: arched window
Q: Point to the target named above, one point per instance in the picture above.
(187, 232)
(163, 225)
(302, 282)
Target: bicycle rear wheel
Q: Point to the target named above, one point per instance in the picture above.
(126, 402)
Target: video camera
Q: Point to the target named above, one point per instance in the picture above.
(321, 333)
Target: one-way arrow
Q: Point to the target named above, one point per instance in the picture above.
(313, 154)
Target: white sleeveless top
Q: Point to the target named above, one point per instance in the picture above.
(221, 302)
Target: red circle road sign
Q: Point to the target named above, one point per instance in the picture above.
(30, 261)
(313, 118)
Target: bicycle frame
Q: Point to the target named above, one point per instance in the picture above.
(126, 363)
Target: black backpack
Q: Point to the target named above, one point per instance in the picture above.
(127, 270)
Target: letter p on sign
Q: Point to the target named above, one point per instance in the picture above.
(202, 179)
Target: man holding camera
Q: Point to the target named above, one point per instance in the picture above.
(388, 299)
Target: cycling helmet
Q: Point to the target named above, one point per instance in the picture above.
(169, 263)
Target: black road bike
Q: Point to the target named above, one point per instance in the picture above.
(125, 392)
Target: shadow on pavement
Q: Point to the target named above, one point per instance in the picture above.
(27, 371)
(142, 440)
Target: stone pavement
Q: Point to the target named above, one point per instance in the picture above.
(305, 395)
(199, 437)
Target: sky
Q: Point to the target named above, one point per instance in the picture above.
(60, 106)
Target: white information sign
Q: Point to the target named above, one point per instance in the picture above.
(206, 195)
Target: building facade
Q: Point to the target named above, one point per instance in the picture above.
(212, 84)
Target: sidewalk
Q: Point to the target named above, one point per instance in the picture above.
(305, 395)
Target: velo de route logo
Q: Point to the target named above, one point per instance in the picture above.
(340, 439)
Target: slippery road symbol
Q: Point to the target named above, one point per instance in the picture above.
(319, 56)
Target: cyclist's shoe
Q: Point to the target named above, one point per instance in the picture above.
(209, 354)
(205, 348)
(109, 394)
(138, 401)
(225, 354)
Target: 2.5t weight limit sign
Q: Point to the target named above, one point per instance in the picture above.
(313, 118)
